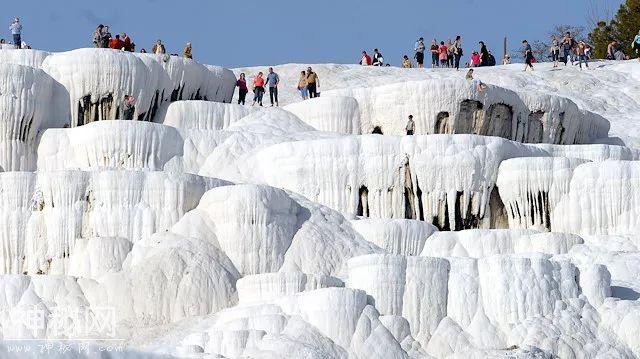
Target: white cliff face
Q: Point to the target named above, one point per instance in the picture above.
(330, 114)
(508, 226)
(30, 102)
(25, 57)
(98, 79)
(204, 115)
(457, 106)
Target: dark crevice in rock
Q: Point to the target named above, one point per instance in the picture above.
(499, 218)
(536, 128)
(377, 130)
(470, 117)
(420, 205)
(442, 123)
(363, 202)
(498, 121)
(409, 196)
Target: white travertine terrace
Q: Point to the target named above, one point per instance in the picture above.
(507, 227)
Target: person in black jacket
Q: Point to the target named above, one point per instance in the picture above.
(484, 54)
(492, 59)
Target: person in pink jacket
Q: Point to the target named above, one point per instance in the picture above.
(475, 59)
(443, 52)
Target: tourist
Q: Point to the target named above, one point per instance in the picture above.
(126, 42)
(116, 43)
(506, 60)
(636, 45)
(443, 54)
(366, 59)
(258, 89)
(313, 83)
(582, 54)
(105, 37)
(469, 75)
(406, 63)
(410, 126)
(187, 51)
(555, 51)
(302, 85)
(434, 53)
(620, 56)
(241, 84)
(492, 60)
(611, 50)
(568, 44)
(16, 31)
(450, 49)
(129, 107)
(143, 51)
(528, 55)
(158, 48)
(97, 36)
(378, 60)
(272, 81)
(457, 54)
(475, 59)
(484, 54)
(419, 49)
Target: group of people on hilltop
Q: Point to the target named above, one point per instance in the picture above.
(614, 51)
(376, 60)
(449, 55)
(566, 50)
(102, 38)
(308, 85)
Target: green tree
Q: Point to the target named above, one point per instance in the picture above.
(623, 27)
(600, 38)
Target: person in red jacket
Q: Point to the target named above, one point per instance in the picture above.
(366, 59)
(127, 42)
(116, 43)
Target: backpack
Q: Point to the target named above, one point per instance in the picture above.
(460, 53)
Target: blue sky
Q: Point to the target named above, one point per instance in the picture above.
(234, 33)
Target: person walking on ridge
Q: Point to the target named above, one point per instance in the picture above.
(419, 49)
(528, 55)
(313, 83)
(97, 36)
(272, 81)
(457, 52)
(555, 51)
(187, 51)
(410, 126)
(568, 44)
(302, 85)
(242, 89)
(105, 37)
(582, 54)
(258, 89)
(443, 54)
(434, 54)
(16, 31)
